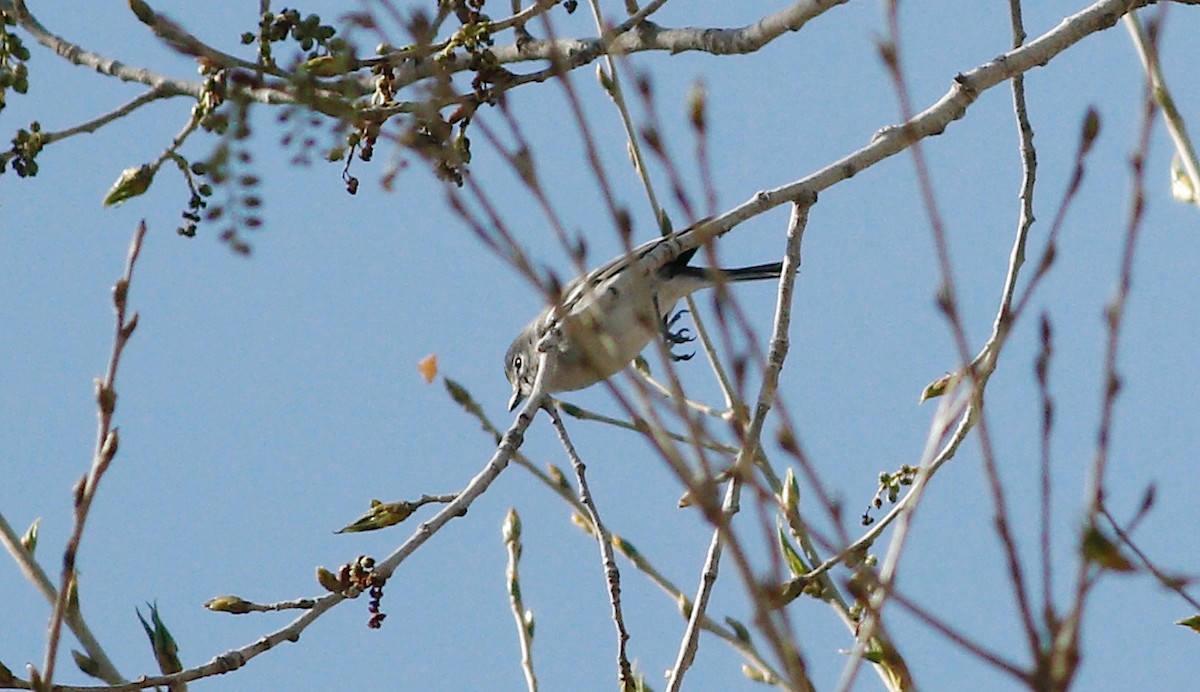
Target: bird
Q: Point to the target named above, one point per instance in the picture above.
(607, 317)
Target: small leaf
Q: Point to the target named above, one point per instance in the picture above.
(428, 367)
(755, 674)
(86, 663)
(790, 556)
(511, 529)
(739, 630)
(458, 393)
(685, 606)
(228, 604)
(625, 547)
(142, 11)
(30, 539)
(1183, 189)
(606, 82)
(326, 66)
(583, 523)
(1099, 549)
(938, 387)
(131, 183)
(1192, 623)
(380, 515)
(1091, 130)
(697, 101)
(329, 581)
(557, 476)
(791, 493)
(166, 651)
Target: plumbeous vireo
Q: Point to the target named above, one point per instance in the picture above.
(609, 315)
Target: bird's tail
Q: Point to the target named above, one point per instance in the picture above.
(754, 273)
(758, 271)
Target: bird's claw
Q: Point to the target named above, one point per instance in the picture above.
(674, 338)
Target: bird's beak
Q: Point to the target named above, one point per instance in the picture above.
(517, 397)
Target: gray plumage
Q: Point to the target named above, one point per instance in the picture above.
(609, 316)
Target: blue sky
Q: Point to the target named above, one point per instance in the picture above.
(265, 401)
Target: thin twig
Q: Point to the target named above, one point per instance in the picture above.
(689, 643)
(1114, 314)
(105, 669)
(1167, 581)
(652, 135)
(1176, 127)
(555, 483)
(106, 449)
(959, 638)
(524, 621)
(890, 54)
(934, 120)
(612, 574)
(612, 83)
(1017, 258)
(750, 449)
(1042, 375)
(506, 447)
(638, 425)
(1067, 641)
(697, 406)
(698, 115)
(954, 406)
(96, 123)
(236, 605)
(167, 86)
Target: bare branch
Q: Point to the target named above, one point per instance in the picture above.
(106, 449)
(612, 575)
(749, 450)
(73, 618)
(106, 66)
(555, 483)
(1176, 127)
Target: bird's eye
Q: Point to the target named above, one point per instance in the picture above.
(517, 362)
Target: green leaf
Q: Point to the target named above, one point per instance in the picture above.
(131, 183)
(228, 604)
(143, 12)
(1192, 623)
(791, 493)
(1183, 189)
(795, 565)
(86, 663)
(938, 387)
(755, 674)
(739, 630)
(380, 515)
(30, 539)
(166, 651)
(1102, 551)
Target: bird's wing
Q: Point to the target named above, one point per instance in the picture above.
(649, 257)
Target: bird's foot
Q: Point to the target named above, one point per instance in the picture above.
(674, 338)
